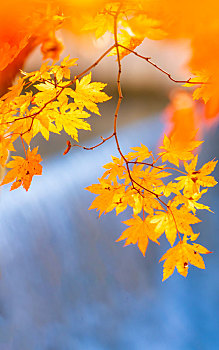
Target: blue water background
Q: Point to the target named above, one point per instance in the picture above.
(66, 285)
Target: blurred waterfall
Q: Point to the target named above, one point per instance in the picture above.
(66, 285)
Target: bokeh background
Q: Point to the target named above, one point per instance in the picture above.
(65, 284)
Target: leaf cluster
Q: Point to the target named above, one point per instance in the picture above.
(159, 206)
(57, 104)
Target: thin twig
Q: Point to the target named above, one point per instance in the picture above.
(97, 145)
(148, 59)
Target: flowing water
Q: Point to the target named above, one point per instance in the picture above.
(66, 285)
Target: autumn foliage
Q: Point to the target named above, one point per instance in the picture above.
(164, 190)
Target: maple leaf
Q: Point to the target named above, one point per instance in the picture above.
(149, 177)
(141, 153)
(191, 182)
(191, 202)
(22, 103)
(70, 118)
(88, 94)
(23, 169)
(140, 231)
(175, 152)
(168, 189)
(47, 92)
(152, 177)
(143, 200)
(126, 40)
(115, 168)
(63, 70)
(174, 220)
(29, 127)
(109, 195)
(9, 111)
(208, 91)
(205, 91)
(180, 256)
(42, 123)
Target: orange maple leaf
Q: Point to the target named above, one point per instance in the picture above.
(114, 169)
(140, 231)
(180, 256)
(175, 151)
(23, 169)
(110, 196)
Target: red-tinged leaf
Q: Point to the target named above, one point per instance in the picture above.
(23, 169)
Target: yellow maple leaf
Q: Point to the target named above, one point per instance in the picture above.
(152, 177)
(191, 202)
(127, 40)
(180, 256)
(87, 94)
(48, 92)
(23, 169)
(140, 231)
(20, 105)
(114, 169)
(174, 220)
(143, 200)
(208, 90)
(168, 189)
(63, 70)
(149, 178)
(43, 124)
(191, 182)
(175, 152)
(141, 153)
(29, 127)
(70, 118)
